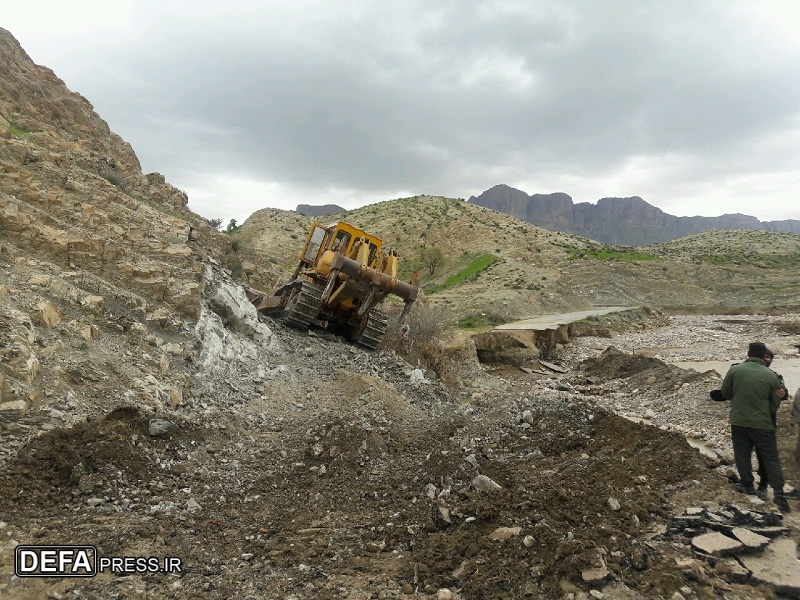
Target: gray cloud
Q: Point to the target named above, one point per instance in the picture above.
(672, 101)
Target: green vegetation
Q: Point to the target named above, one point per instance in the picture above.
(19, 131)
(481, 320)
(622, 254)
(236, 268)
(114, 180)
(477, 265)
(431, 258)
(752, 259)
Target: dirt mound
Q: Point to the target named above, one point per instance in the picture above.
(582, 495)
(82, 460)
(578, 487)
(614, 364)
(346, 478)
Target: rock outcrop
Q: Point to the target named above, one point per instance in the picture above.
(90, 247)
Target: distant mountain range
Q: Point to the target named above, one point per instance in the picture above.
(615, 221)
(319, 211)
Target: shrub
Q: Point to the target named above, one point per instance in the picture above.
(424, 347)
(236, 269)
(114, 179)
(483, 319)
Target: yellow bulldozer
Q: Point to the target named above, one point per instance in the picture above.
(341, 280)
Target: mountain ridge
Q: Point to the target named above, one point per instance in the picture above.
(627, 221)
(319, 210)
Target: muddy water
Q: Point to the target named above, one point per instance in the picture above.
(788, 367)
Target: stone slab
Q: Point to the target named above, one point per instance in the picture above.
(752, 541)
(717, 544)
(777, 566)
(770, 531)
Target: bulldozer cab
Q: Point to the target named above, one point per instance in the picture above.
(331, 237)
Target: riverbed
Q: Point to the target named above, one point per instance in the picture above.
(789, 368)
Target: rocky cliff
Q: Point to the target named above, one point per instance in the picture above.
(616, 221)
(74, 190)
(90, 247)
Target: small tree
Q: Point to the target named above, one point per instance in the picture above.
(215, 223)
(431, 258)
(232, 226)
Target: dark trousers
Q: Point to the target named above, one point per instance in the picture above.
(765, 443)
(762, 470)
(797, 453)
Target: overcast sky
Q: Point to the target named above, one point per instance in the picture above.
(692, 105)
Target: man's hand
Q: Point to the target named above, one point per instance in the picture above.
(781, 393)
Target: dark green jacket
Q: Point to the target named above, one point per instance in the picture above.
(750, 386)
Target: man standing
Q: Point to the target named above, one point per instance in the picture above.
(750, 386)
(775, 404)
(796, 419)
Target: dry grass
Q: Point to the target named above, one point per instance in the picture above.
(424, 347)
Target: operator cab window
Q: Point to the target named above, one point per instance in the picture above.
(341, 238)
(313, 244)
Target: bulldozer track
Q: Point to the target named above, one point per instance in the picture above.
(375, 329)
(306, 308)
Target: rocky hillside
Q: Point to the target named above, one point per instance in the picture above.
(74, 190)
(94, 253)
(615, 221)
(463, 231)
(500, 266)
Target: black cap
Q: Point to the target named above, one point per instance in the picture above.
(757, 350)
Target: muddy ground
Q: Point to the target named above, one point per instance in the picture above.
(348, 477)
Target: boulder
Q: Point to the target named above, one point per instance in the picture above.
(503, 533)
(158, 427)
(483, 484)
(95, 304)
(49, 313)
